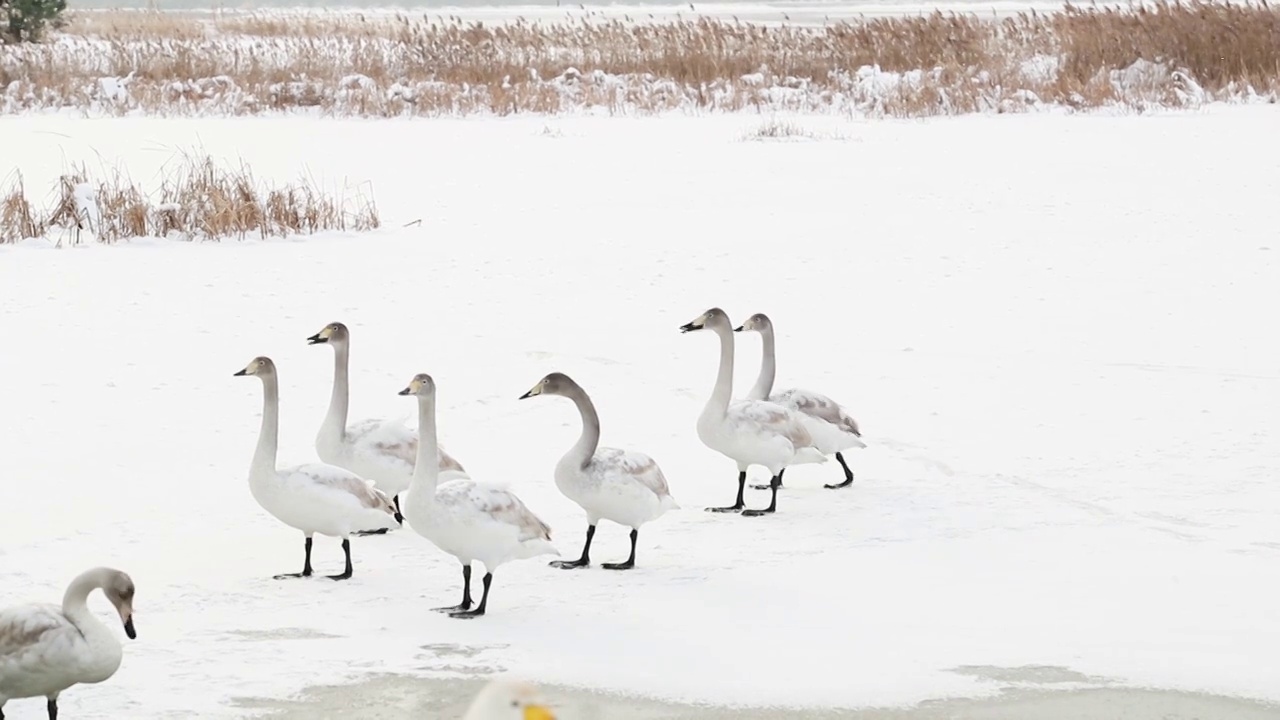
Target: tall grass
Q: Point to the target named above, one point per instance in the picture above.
(197, 199)
(1166, 53)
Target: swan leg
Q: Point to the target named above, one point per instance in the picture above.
(399, 515)
(346, 550)
(53, 708)
(631, 561)
(583, 561)
(848, 475)
(466, 592)
(738, 504)
(306, 565)
(769, 485)
(484, 600)
(773, 500)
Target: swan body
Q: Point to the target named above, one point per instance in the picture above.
(750, 432)
(381, 450)
(45, 649)
(314, 497)
(504, 699)
(470, 520)
(622, 486)
(832, 429)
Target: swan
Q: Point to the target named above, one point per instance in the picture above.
(625, 487)
(750, 432)
(504, 699)
(469, 520)
(313, 498)
(45, 649)
(832, 428)
(377, 449)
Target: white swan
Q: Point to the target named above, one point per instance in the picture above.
(313, 498)
(508, 700)
(625, 487)
(377, 449)
(45, 649)
(832, 428)
(750, 432)
(469, 520)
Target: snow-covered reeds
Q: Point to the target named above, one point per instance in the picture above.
(1166, 54)
(196, 199)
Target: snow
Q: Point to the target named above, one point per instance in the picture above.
(1051, 329)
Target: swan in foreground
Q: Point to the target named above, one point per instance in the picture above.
(45, 649)
(313, 498)
(625, 487)
(508, 700)
(750, 432)
(832, 428)
(377, 449)
(469, 520)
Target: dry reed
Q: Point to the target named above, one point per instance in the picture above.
(197, 199)
(1167, 53)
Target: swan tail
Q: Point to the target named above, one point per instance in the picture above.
(807, 455)
(668, 503)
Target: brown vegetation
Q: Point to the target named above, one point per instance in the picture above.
(1166, 54)
(197, 199)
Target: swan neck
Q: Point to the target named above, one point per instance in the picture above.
(264, 458)
(75, 602)
(723, 390)
(585, 448)
(335, 422)
(768, 367)
(426, 468)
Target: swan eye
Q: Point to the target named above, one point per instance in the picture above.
(515, 703)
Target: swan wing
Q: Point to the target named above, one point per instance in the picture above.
(25, 628)
(817, 405)
(394, 441)
(503, 506)
(626, 465)
(344, 484)
(769, 419)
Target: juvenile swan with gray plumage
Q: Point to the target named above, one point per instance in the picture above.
(314, 497)
(45, 649)
(619, 485)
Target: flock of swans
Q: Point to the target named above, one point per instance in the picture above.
(376, 474)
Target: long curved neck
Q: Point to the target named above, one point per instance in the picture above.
(75, 603)
(719, 401)
(335, 422)
(264, 458)
(426, 467)
(585, 448)
(768, 368)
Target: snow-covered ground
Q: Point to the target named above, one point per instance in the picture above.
(1053, 330)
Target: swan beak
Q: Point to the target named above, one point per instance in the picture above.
(316, 339)
(241, 372)
(128, 629)
(689, 327)
(538, 712)
(406, 391)
(531, 393)
(739, 328)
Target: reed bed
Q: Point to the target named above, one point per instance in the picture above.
(1167, 54)
(197, 199)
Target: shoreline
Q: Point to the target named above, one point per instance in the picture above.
(391, 697)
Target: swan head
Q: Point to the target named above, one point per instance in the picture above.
(713, 319)
(509, 700)
(261, 366)
(119, 589)
(758, 322)
(421, 385)
(553, 384)
(334, 332)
